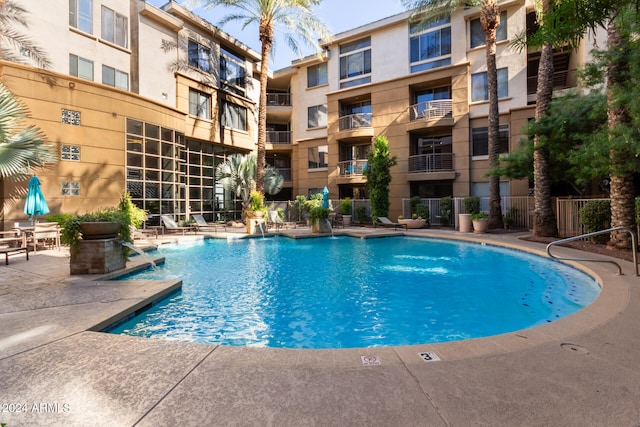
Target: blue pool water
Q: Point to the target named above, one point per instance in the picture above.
(345, 292)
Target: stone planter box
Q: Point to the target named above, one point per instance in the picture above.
(99, 230)
(413, 223)
(321, 226)
(97, 256)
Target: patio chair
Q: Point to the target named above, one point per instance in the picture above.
(142, 233)
(171, 226)
(203, 225)
(45, 232)
(386, 222)
(13, 242)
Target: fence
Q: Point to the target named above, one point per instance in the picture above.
(518, 209)
(568, 216)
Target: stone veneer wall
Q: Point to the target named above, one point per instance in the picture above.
(98, 257)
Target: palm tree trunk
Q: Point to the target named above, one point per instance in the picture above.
(544, 221)
(266, 38)
(621, 182)
(490, 18)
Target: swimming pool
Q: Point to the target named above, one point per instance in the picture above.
(346, 292)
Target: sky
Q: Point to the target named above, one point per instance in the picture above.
(339, 15)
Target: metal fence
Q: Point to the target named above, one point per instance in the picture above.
(568, 216)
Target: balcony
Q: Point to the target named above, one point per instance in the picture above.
(278, 137)
(355, 126)
(431, 110)
(279, 99)
(351, 168)
(434, 166)
(286, 174)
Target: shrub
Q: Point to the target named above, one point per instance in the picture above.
(595, 216)
(317, 213)
(445, 210)
(361, 214)
(422, 211)
(345, 206)
(472, 205)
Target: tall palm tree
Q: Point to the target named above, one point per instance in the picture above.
(21, 148)
(297, 20)
(429, 10)
(14, 45)
(568, 22)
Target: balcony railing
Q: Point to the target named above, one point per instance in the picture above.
(281, 99)
(561, 80)
(436, 162)
(279, 137)
(352, 167)
(430, 110)
(286, 173)
(355, 121)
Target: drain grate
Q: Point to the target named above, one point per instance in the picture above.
(574, 347)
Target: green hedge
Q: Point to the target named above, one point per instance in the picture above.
(595, 216)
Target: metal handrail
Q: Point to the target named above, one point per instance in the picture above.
(634, 248)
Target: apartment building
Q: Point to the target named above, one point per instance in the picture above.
(149, 100)
(425, 89)
(143, 99)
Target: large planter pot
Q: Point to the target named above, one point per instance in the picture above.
(413, 223)
(480, 225)
(99, 230)
(465, 223)
(254, 214)
(321, 226)
(346, 220)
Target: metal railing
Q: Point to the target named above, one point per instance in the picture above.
(434, 162)
(355, 121)
(352, 167)
(278, 137)
(634, 248)
(429, 110)
(281, 99)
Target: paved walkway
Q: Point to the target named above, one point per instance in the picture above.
(54, 370)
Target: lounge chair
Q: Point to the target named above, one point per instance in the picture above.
(46, 232)
(171, 226)
(142, 233)
(203, 225)
(386, 222)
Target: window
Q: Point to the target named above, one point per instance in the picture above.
(116, 78)
(480, 140)
(477, 33)
(70, 188)
(430, 45)
(80, 67)
(318, 157)
(317, 116)
(232, 71)
(317, 75)
(199, 104)
(70, 117)
(80, 15)
(114, 27)
(199, 56)
(70, 152)
(234, 116)
(355, 63)
(480, 86)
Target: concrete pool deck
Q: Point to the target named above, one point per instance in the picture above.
(54, 370)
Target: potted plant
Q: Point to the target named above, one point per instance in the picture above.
(346, 210)
(256, 208)
(471, 207)
(318, 220)
(480, 222)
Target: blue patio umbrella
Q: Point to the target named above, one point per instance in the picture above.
(325, 197)
(35, 204)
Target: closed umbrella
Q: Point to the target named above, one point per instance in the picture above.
(35, 204)
(325, 197)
